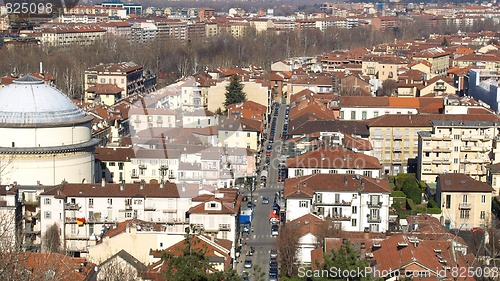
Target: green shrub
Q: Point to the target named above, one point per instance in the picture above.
(398, 193)
(432, 203)
(410, 205)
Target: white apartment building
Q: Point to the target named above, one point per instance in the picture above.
(355, 203)
(217, 214)
(456, 147)
(82, 211)
(113, 164)
(145, 118)
(239, 133)
(335, 160)
(66, 36)
(200, 118)
(362, 108)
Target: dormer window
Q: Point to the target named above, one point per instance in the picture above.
(213, 205)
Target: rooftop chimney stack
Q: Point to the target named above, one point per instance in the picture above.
(122, 185)
(103, 182)
(143, 182)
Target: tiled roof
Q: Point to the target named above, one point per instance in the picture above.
(121, 154)
(424, 120)
(305, 186)
(116, 67)
(121, 227)
(344, 126)
(333, 158)
(170, 190)
(456, 182)
(308, 223)
(63, 267)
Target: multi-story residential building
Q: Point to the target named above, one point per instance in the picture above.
(155, 164)
(361, 108)
(355, 203)
(248, 109)
(113, 164)
(395, 141)
(385, 22)
(438, 86)
(200, 118)
(483, 86)
(118, 28)
(334, 160)
(142, 32)
(239, 132)
(82, 210)
(383, 67)
(489, 61)
(109, 11)
(456, 146)
(76, 35)
(127, 75)
(217, 215)
(439, 59)
(194, 93)
(145, 118)
(465, 202)
(169, 29)
(108, 94)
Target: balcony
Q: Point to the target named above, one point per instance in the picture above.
(94, 220)
(397, 137)
(397, 148)
(335, 203)
(378, 137)
(142, 166)
(128, 207)
(374, 219)
(442, 149)
(441, 161)
(464, 206)
(374, 204)
(149, 207)
(134, 175)
(341, 218)
(224, 226)
(441, 137)
(72, 206)
(397, 161)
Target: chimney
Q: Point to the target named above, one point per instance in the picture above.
(41, 68)
(143, 182)
(122, 185)
(162, 184)
(345, 180)
(103, 182)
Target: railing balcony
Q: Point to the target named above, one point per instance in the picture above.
(150, 207)
(374, 219)
(397, 148)
(374, 204)
(71, 206)
(128, 207)
(134, 175)
(224, 226)
(397, 137)
(465, 206)
(341, 218)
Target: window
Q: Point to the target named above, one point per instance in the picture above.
(341, 115)
(137, 201)
(303, 204)
(464, 198)
(213, 205)
(455, 160)
(316, 171)
(110, 201)
(375, 114)
(367, 174)
(483, 198)
(363, 115)
(112, 163)
(354, 222)
(47, 215)
(354, 210)
(482, 215)
(248, 135)
(353, 115)
(120, 165)
(224, 234)
(128, 215)
(448, 201)
(91, 201)
(456, 137)
(47, 201)
(464, 214)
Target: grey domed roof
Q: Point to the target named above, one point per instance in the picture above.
(29, 101)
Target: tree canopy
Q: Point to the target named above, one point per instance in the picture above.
(234, 92)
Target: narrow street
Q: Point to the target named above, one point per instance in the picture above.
(260, 238)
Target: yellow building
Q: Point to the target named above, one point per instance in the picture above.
(395, 141)
(438, 86)
(439, 59)
(240, 132)
(465, 202)
(383, 68)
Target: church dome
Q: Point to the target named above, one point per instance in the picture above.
(28, 101)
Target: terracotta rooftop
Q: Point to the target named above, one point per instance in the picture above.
(333, 158)
(170, 190)
(455, 182)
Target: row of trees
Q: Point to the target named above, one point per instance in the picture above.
(177, 60)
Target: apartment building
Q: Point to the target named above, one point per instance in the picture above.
(439, 59)
(395, 141)
(146, 118)
(113, 164)
(239, 132)
(483, 86)
(465, 202)
(83, 210)
(488, 61)
(129, 76)
(72, 35)
(217, 215)
(383, 67)
(333, 160)
(456, 146)
(200, 118)
(355, 203)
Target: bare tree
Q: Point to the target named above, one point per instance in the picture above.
(117, 269)
(288, 240)
(52, 239)
(329, 229)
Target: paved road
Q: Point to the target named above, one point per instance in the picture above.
(261, 238)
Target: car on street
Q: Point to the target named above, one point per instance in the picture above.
(272, 276)
(245, 275)
(248, 263)
(265, 200)
(273, 264)
(273, 260)
(249, 205)
(246, 228)
(273, 270)
(275, 230)
(276, 207)
(245, 198)
(268, 153)
(273, 253)
(269, 147)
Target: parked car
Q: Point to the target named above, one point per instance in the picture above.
(248, 263)
(273, 253)
(249, 205)
(245, 198)
(245, 275)
(272, 276)
(246, 228)
(265, 200)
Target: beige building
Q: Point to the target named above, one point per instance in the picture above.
(395, 141)
(383, 68)
(438, 86)
(465, 202)
(65, 36)
(261, 25)
(494, 176)
(456, 146)
(439, 59)
(128, 76)
(256, 91)
(240, 132)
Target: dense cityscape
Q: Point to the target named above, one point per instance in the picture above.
(249, 140)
